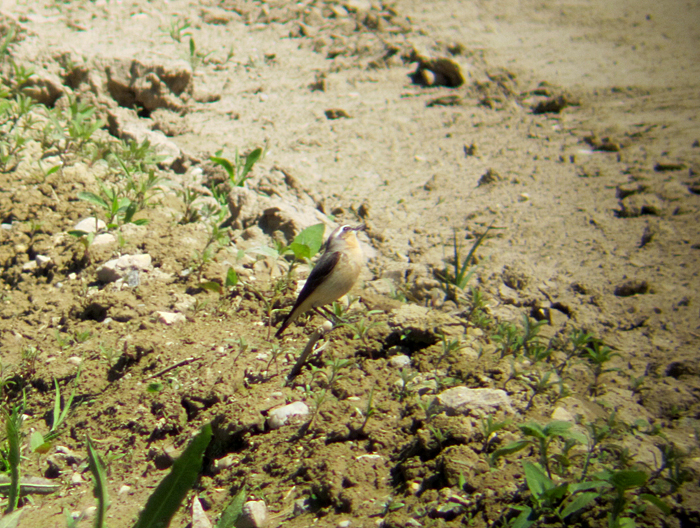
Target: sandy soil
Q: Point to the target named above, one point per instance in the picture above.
(572, 132)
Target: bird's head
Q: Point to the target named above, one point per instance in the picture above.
(343, 236)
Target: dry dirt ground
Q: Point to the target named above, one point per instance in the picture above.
(571, 130)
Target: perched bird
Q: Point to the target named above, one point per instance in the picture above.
(333, 275)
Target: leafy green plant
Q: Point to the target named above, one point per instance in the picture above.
(167, 497)
(542, 438)
(549, 499)
(597, 357)
(509, 339)
(489, 428)
(115, 207)
(81, 124)
(671, 473)
(624, 508)
(577, 342)
(240, 168)
(539, 382)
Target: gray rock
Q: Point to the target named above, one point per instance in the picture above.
(279, 417)
(119, 268)
(477, 402)
(254, 515)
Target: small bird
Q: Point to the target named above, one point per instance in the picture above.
(333, 276)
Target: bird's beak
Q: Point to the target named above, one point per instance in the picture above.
(361, 227)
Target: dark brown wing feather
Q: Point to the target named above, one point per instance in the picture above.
(321, 271)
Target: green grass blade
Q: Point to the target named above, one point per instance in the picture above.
(251, 159)
(170, 493)
(97, 468)
(460, 276)
(233, 510)
(12, 425)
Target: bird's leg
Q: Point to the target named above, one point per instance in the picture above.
(328, 313)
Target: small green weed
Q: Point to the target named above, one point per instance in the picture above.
(455, 279)
(238, 171)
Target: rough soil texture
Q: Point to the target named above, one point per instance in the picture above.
(574, 135)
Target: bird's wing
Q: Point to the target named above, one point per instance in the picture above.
(321, 271)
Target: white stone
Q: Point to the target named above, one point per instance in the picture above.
(344, 524)
(400, 361)
(124, 489)
(225, 462)
(104, 239)
(278, 417)
(254, 515)
(76, 479)
(29, 266)
(199, 518)
(42, 260)
(479, 402)
(118, 268)
(170, 318)
(75, 360)
(90, 225)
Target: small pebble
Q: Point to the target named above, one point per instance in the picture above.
(170, 318)
(400, 361)
(254, 515)
(280, 416)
